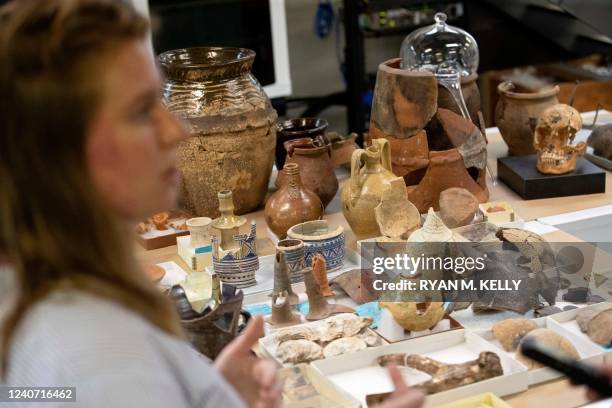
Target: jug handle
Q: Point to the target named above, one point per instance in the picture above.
(356, 164)
(385, 152)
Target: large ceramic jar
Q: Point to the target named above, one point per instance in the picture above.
(370, 175)
(517, 113)
(292, 203)
(316, 167)
(231, 122)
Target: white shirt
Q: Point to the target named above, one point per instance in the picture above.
(112, 356)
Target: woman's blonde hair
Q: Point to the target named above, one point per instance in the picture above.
(54, 229)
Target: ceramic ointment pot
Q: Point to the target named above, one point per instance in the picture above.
(319, 239)
(294, 256)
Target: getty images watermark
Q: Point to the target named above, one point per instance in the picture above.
(411, 265)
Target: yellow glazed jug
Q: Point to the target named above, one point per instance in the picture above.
(370, 176)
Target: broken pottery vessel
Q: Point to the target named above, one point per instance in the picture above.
(457, 158)
(404, 100)
(457, 207)
(294, 256)
(556, 129)
(282, 284)
(319, 270)
(342, 148)
(318, 308)
(471, 95)
(407, 315)
(318, 238)
(517, 113)
(316, 168)
(282, 314)
(446, 170)
(292, 203)
(370, 176)
(434, 230)
(600, 140)
(231, 143)
(211, 332)
(407, 155)
(396, 217)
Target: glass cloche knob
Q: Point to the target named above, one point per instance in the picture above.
(440, 47)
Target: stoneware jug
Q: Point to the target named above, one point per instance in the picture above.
(316, 167)
(370, 175)
(291, 204)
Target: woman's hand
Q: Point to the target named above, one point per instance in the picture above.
(605, 370)
(403, 396)
(253, 378)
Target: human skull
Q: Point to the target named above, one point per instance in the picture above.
(557, 126)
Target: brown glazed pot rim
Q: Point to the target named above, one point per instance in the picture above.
(206, 63)
(302, 126)
(505, 89)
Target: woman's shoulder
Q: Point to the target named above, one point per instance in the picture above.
(81, 339)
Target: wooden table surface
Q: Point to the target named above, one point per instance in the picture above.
(556, 393)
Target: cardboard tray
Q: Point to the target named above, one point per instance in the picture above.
(566, 321)
(268, 346)
(359, 375)
(587, 350)
(328, 395)
(478, 401)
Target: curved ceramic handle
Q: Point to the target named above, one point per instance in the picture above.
(356, 164)
(385, 152)
(290, 145)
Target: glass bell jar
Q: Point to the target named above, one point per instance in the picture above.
(447, 51)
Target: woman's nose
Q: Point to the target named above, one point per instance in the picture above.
(172, 130)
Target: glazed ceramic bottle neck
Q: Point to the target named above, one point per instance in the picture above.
(228, 222)
(372, 160)
(294, 183)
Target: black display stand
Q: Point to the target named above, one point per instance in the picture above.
(522, 176)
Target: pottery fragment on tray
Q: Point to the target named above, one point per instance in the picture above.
(600, 140)
(358, 285)
(407, 315)
(395, 215)
(510, 332)
(434, 230)
(549, 339)
(457, 207)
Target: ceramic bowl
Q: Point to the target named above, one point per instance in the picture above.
(318, 238)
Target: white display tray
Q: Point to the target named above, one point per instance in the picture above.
(587, 350)
(259, 292)
(359, 375)
(567, 321)
(268, 346)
